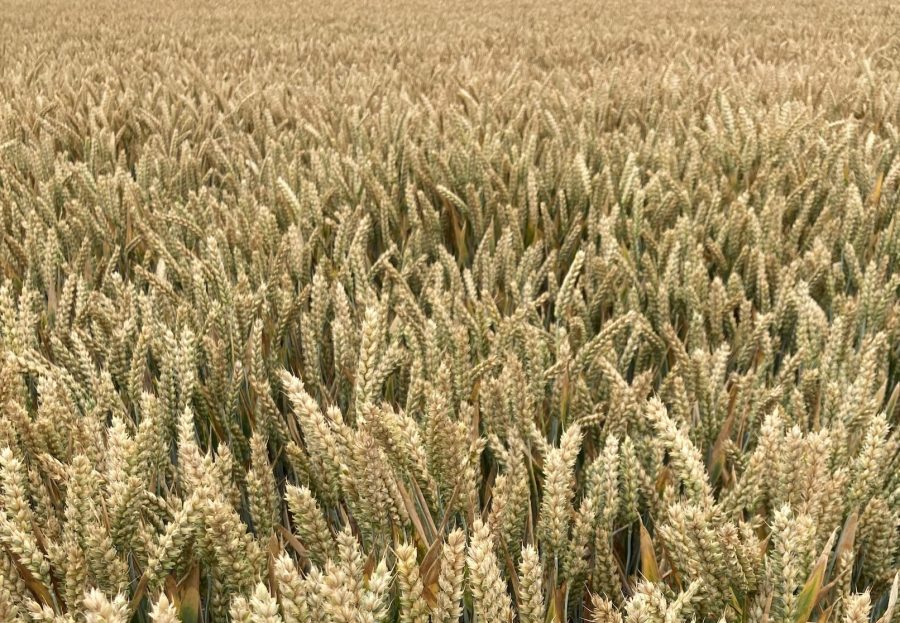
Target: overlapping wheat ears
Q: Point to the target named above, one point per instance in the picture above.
(528, 312)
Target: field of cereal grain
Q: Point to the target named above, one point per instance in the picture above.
(485, 312)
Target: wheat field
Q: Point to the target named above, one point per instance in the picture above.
(395, 311)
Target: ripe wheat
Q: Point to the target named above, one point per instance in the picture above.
(372, 312)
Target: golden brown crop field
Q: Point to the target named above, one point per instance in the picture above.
(482, 312)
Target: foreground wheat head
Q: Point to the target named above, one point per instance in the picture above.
(523, 312)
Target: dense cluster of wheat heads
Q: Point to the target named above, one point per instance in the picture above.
(357, 313)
